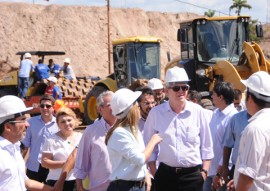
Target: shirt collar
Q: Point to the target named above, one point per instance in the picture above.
(52, 121)
(258, 113)
(187, 108)
(4, 143)
(227, 109)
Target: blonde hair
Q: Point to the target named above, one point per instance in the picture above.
(130, 120)
(69, 112)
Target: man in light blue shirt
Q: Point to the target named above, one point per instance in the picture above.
(26, 66)
(231, 140)
(40, 128)
(223, 96)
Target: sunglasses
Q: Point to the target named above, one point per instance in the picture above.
(45, 105)
(177, 88)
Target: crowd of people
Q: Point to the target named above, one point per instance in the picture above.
(143, 140)
(43, 73)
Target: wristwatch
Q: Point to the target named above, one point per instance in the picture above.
(205, 171)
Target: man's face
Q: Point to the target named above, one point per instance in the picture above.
(46, 108)
(146, 104)
(106, 110)
(177, 92)
(217, 100)
(18, 128)
(159, 94)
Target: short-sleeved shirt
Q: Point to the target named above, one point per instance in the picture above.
(254, 152)
(55, 69)
(68, 72)
(60, 149)
(53, 91)
(26, 66)
(42, 71)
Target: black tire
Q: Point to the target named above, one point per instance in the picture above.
(90, 110)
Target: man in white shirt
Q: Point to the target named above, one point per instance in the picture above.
(252, 172)
(12, 127)
(186, 149)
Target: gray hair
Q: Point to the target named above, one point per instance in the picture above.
(100, 98)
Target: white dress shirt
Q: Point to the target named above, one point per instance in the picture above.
(254, 152)
(186, 136)
(12, 166)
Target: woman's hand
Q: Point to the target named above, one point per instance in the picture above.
(156, 138)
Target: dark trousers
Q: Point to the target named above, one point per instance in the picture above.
(39, 176)
(68, 185)
(124, 185)
(178, 179)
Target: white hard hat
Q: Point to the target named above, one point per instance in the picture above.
(122, 101)
(27, 55)
(67, 60)
(155, 84)
(11, 105)
(258, 84)
(52, 79)
(176, 74)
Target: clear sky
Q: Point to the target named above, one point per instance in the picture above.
(258, 11)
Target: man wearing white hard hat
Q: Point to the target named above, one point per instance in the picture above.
(13, 124)
(157, 86)
(125, 144)
(67, 70)
(186, 150)
(252, 170)
(52, 89)
(26, 66)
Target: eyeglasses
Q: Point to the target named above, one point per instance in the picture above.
(177, 88)
(18, 121)
(45, 105)
(149, 103)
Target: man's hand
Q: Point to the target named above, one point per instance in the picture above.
(148, 182)
(225, 174)
(230, 185)
(79, 185)
(59, 185)
(217, 182)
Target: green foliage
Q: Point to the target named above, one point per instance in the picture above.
(209, 13)
(238, 5)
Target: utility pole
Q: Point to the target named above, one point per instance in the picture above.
(109, 35)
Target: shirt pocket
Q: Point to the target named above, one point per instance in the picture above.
(193, 135)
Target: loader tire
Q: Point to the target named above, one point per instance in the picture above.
(90, 109)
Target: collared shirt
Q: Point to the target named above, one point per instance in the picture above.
(26, 66)
(12, 168)
(35, 137)
(233, 133)
(254, 152)
(186, 136)
(126, 155)
(92, 156)
(218, 125)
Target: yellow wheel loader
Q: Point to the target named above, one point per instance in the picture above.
(218, 49)
(135, 58)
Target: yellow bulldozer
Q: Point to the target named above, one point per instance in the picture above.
(218, 49)
(135, 58)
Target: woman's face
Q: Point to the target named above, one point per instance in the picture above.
(66, 123)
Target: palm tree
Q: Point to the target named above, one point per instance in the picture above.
(209, 13)
(238, 5)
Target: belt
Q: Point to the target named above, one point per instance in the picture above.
(180, 170)
(139, 183)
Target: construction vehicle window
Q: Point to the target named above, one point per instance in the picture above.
(220, 40)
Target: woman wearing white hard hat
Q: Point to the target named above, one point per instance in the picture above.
(67, 70)
(13, 124)
(127, 152)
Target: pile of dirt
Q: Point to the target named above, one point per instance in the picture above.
(80, 31)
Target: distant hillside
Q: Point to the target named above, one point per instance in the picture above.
(80, 31)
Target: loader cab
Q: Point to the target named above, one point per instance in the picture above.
(205, 41)
(136, 58)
